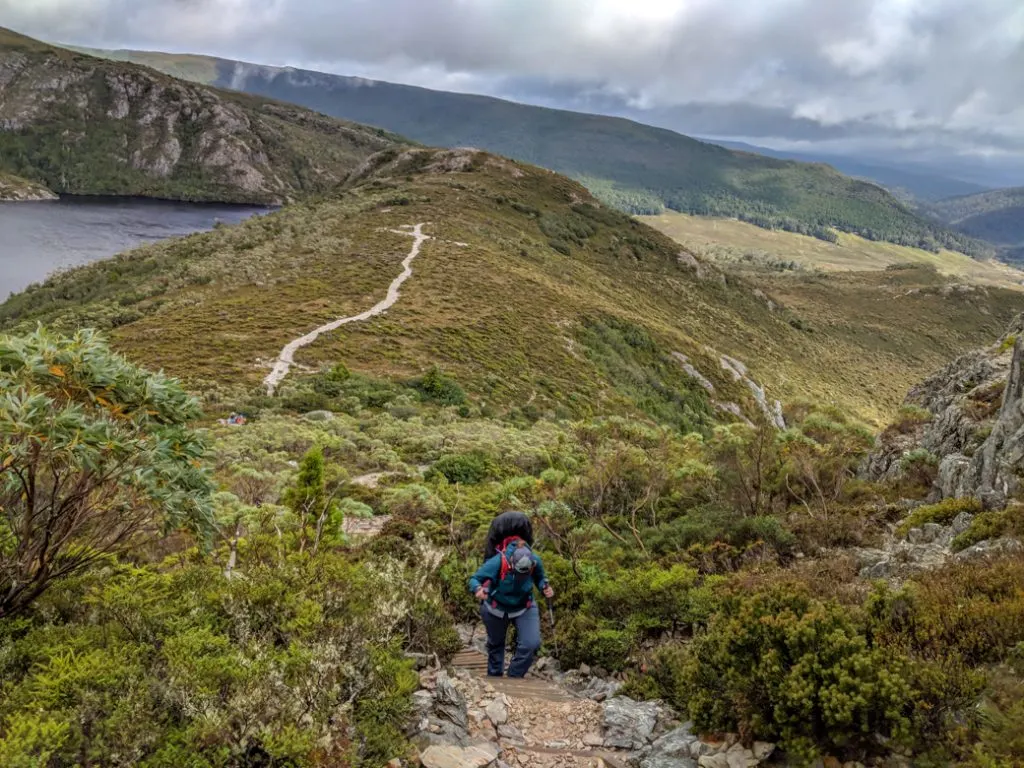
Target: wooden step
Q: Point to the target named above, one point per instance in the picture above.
(519, 687)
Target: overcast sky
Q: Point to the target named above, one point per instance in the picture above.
(917, 75)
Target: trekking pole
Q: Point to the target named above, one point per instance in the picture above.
(554, 634)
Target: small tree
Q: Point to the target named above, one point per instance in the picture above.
(94, 453)
(314, 507)
(746, 458)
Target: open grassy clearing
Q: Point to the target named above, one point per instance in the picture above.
(732, 241)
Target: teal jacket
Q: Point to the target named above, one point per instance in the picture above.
(508, 594)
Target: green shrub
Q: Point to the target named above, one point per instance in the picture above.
(974, 611)
(990, 525)
(98, 454)
(648, 599)
(332, 383)
(779, 666)
(1001, 738)
(466, 468)
(439, 388)
(582, 642)
(943, 513)
(919, 469)
(140, 666)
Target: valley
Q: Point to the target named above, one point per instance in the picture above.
(740, 245)
(578, 280)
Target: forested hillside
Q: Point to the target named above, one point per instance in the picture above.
(996, 216)
(83, 125)
(634, 167)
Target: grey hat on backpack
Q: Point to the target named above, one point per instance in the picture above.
(522, 560)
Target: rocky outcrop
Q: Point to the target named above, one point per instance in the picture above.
(126, 129)
(974, 427)
(14, 189)
(927, 547)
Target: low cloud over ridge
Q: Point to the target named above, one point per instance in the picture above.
(909, 75)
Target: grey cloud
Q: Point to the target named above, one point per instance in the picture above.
(941, 72)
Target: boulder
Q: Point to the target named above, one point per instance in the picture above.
(675, 749)
(1001, 546)
(511, 733)
(497, 711)
(422, 702)
(763, 750)
(717, 760)
(962, 522)
(739, 756)
(629, 724)
(449, 756)
(449, 703)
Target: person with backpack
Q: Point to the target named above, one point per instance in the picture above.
(504, 586)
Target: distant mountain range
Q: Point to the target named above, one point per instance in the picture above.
(633, 166)
(77, 124)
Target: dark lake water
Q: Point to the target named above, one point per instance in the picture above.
(38, 238)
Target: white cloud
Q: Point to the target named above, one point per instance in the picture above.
(896, 65)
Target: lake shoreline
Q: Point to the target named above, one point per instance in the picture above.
(42, 237)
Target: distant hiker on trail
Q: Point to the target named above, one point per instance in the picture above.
(504, 526)
(504, 586)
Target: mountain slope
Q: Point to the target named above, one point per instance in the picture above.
(996, 216)
(84, 125)
(533, 296)
(903, 182)
(632, 166)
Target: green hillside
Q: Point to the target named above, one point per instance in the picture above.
(634, 167)
(599, 302)
(84, 125)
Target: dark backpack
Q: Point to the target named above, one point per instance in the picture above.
(505, 526)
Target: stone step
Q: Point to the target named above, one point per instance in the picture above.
(597, 758)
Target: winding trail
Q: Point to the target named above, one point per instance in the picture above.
(286, 359)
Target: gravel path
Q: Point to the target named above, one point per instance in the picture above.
(287, 357)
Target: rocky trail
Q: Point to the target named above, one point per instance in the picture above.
(286, 359)
(552, 719)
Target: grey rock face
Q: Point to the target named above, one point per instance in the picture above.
(676, 749)
(450, 704)
(1001, 546)
(977, 425)
(629, 724)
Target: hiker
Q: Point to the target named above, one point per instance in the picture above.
(504, 586)
(504, 526)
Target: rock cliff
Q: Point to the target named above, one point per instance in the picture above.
(968, 419)
(84, 125)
